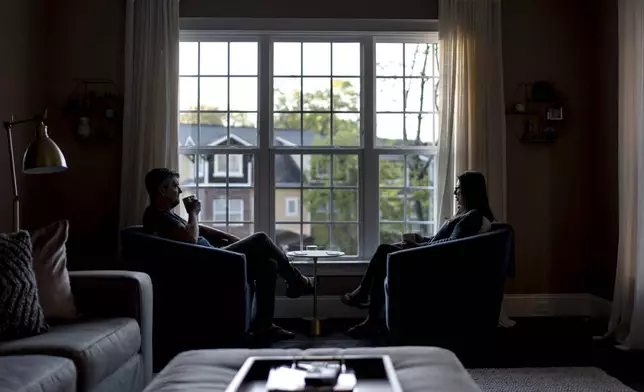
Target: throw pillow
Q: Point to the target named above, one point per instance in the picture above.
(50, 265)
(20, 311)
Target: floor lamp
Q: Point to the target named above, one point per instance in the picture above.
(42, 156)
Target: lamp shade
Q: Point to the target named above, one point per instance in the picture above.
(43, 155)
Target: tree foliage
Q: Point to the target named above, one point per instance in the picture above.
(212, 116)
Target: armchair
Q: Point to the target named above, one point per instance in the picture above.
(449, 294)
(201, 296)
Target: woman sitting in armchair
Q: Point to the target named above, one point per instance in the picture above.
(473, 217)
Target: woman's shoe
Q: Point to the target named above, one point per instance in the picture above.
(355, 301)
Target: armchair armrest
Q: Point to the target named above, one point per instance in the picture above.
(117, 294)
(480, 245)
(211, 261)
(155, 255)
(415, 260)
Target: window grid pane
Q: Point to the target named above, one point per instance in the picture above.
(219, 110)
(328, 213)
(308, 99)
(406, 94)
(407, 195)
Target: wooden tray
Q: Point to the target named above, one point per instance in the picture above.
(374, 373)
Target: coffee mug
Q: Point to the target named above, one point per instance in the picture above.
(187, 200)
(311, 247)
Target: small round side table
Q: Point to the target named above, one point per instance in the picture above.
(315, 255)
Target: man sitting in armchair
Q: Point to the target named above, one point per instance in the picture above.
(264, 259)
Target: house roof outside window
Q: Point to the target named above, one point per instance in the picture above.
(288, 171)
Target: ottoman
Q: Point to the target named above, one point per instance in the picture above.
(419, 369)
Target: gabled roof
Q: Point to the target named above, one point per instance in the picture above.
(215, 134)
(287, 170)
(212, 134)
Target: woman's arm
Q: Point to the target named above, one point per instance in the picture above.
(467, 226)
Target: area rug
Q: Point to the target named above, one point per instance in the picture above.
(555, 379)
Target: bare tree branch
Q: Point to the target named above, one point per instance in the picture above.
(436, 108)
(415, 164)
(423, 81)
(406, 95)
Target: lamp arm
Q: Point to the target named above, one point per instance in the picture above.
(12, 162)
(9, 124)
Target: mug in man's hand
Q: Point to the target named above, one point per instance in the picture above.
(189, 202)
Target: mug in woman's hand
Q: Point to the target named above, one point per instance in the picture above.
(410, 238)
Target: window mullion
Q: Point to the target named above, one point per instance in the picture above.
(198, 119)
(369, 166)
(264, 191)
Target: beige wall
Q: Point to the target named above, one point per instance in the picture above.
(280, 211)
(83, 39)
(186, 167)
(549, 186)
(562, 198)
(557, 193)
(603, 243)
(21, 84)
(376, 9)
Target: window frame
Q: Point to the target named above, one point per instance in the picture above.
(368, 33)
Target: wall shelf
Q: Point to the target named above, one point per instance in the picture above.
(538, 116)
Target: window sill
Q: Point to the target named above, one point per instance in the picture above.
(333, 268)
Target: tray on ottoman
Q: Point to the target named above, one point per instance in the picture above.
(374, 373)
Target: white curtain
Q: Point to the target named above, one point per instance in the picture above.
(627, 316)
(150, 117)
(472, 132)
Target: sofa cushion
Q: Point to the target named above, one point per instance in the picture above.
(20, 312)
(50, 265)
(37, 373)
(97, 347)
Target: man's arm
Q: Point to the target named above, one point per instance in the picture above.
(185, 233)
(215, 236)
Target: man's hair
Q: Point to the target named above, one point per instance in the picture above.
(155, 178)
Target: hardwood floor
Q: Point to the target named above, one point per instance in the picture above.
(533, 342)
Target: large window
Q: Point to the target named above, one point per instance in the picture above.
(330, 138)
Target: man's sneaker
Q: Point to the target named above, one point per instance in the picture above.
(303, 287)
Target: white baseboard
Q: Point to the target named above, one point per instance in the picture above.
(515, 305)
